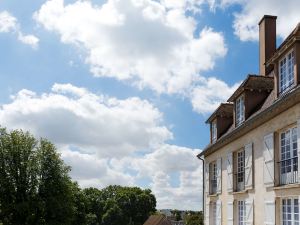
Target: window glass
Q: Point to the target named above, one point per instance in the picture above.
(290, 211)
(241, 170)
(241, 213)
(286, 72)
(213, 180)
(289, 156)
(240, 110)
(214, 131)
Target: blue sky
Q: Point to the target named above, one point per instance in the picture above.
(123, 87)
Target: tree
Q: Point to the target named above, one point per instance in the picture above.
(35, 187)
(194, 218)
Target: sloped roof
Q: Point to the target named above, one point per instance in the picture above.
(224, 110)
(253, 82)
(157, 220)
(293, 36)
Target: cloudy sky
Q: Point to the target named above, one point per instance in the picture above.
(123, 87)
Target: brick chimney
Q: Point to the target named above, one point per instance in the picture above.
(267, 42)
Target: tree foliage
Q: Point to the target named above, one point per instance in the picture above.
(35, 188)
(194, 218)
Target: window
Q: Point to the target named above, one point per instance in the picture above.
(241, 213)
(286, 72)
(288, 157)
(240, 170)
(214, 212)
(239, 111)
(214, 132)
(213, 180)
(290, 211)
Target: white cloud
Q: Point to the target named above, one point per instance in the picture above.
(246, 21)
(9, 24)
(31, 40)
(95, 123)
(110, 141)
(150, 43)
(166, 164)
(209, 93)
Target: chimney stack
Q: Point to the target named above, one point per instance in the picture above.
(267, 42)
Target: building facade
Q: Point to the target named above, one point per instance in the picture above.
(252, 164)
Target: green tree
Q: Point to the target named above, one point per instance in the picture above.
(194, 218)
(35, 187)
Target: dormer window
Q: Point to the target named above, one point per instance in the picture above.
(213, 131)
(239, 111)
(286, 72)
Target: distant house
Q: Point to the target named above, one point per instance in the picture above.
(252, 164)
(158, 220)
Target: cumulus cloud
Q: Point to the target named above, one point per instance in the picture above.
(246, 21)
(96, 123)
(110, 141)
(164, 165)
(151, 43)
(208, 94)
(9, 24)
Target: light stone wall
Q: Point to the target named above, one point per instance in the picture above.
(259, 193)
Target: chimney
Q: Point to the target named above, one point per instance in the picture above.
(267, 42)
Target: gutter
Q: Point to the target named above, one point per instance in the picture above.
(202, 183)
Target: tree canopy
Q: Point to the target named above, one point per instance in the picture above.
(36, 189)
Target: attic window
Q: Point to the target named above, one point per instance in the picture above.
(286, 72)
(213, 132)
(239, 111)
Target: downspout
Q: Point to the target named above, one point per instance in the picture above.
(203, 172)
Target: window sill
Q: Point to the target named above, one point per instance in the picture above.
(240, 192)
(287, 186)
(213, 195)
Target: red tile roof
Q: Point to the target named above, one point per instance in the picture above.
(157, 220)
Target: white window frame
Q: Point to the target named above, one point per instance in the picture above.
(241, 212)
(286, 72)
(213, 177)
(240, 110)
(214, 131)
(240, 170)
(288, 156)
(289, 213)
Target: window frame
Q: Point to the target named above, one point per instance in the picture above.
(214, 213)
(213, 177)
(287, 160)
(292, 206)
(288, 84)
(239, 110)
(241, 214)
(214, 135)
(240, 170)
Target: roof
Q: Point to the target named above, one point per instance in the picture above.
(224, 110)
(269, 110)
(285, 44)
(253, 82)
(157, 220)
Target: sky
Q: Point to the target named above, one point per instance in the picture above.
(124, 87)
